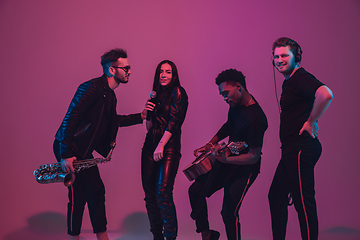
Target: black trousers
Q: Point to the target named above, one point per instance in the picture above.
(87, 188)
(236, 181)
(158, 183)
(295, 175)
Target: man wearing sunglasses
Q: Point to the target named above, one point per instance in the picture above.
(91, 124)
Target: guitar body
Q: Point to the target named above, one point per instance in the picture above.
(202, 164)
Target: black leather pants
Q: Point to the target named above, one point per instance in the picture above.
(158, 182)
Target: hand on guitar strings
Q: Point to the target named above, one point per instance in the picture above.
(220, 152)
(203, 149)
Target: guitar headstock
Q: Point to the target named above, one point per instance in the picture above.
(237, 147)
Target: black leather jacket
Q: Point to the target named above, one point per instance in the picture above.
(91, 122)
(168, 115)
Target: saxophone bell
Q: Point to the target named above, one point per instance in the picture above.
(69, 179)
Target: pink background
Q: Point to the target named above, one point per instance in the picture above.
(49, 47)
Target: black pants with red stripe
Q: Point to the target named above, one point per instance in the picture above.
(236, 181)
(87, 188)
(294, 177)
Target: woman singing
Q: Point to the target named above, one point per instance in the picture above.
(161, 151)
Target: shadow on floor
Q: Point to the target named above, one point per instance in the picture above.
(47, 225)
(135, 227)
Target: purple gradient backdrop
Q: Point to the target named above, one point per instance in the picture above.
(49, 47)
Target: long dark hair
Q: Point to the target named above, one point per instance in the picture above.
(167, 90)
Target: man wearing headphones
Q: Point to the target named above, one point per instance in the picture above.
(303, 100)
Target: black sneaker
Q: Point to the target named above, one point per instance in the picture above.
(214, 235)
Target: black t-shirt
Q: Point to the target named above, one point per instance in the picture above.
(297, 100)
(246, 124)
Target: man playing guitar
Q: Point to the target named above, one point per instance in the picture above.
(235, 173)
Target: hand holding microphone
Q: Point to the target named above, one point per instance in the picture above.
(150, 105)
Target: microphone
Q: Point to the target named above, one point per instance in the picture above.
(152, 95)
(152, 99)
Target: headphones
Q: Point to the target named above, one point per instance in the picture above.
(298, 53)
(298, 50)
(285, 42)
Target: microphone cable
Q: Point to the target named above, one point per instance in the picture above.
(277, 98)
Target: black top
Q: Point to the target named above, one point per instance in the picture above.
(246, 124)
(297, 100)
(168, 115)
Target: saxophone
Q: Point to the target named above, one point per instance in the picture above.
(51, 173)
